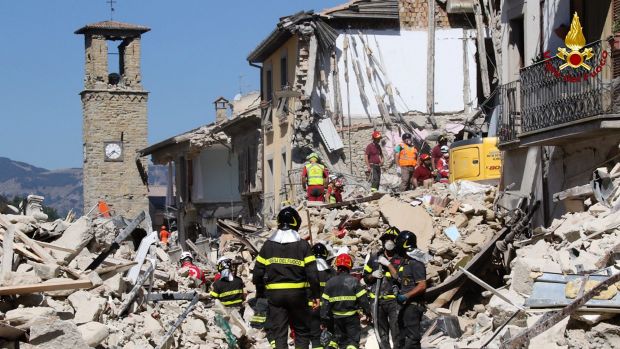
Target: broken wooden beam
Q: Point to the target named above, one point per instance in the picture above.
(375, 196)
(55, 247)
(574, 192)
(549, 319)
(22, 250)
(116, 243)
(237, 234)
(115, 268)
(34, 246)
(45, 286)
(7, 250)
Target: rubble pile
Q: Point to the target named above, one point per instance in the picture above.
(52, 299)
(86, 312)
(546, 274)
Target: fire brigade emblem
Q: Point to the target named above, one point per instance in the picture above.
(575, 41)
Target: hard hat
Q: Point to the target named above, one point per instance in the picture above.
(406, 241)
(332, 177)
(376, 134)
(424, 157)
(185, 255)
(445, 149)
(312, 155)
(289, 218)
(391, 233)
(442, 138)
(406, 135)
(223, 263)
(344, 260)
(320, 251)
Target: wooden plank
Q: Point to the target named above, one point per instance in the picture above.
(76, 274)
(115, 268)
(375, 196)
(482, 51)
(21, 249)
(40, 251)
(7, 250)
(11, 333)
(43, 287)
(55, 247)
(574, 192)
(234, 232)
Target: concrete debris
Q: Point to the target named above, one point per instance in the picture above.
(453, 225)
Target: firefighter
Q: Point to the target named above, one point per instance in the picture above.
(412, 280)
(326, 272)
(229, 287)
(284, 268)
(342, 298)
(190, 270)
(334, 189)
(387, 311)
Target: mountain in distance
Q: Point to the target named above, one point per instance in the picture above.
(61, 188)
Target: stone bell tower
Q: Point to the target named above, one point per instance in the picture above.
(115, 119)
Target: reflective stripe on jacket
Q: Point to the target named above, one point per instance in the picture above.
(408, 155)
(315, 173)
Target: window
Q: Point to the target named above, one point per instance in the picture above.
(268, 85)
(283, 72)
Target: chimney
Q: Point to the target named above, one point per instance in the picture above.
(221, 106)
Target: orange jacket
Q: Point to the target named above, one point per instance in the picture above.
(408, 155)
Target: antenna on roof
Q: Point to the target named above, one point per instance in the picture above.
(111, 2)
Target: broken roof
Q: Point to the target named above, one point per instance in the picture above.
(113, 26)
(356, 9)
(190, 142)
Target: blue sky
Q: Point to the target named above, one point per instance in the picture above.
(195, 52)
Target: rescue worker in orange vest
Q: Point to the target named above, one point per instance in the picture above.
(407, 159)
(164, 235)
(191, 271)
(314, 178)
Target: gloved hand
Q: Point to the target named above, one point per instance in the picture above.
(401, 299)
(261, 311)
(326, 336)
(377, 274)
(383, 261)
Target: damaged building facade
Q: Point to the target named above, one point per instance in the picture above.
(212, 170)
(557, 124)
(329, 79)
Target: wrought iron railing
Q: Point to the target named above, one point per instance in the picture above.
(509, 106)
(553, 93)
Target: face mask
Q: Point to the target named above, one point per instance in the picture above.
(389, 245)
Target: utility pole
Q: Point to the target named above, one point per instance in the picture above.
(430, 64)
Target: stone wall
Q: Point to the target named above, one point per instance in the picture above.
(414, 16)
(96, 61)
(108, 116)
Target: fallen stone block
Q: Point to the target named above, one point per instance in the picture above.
(22, 316)
(370, 222)
(501, 311)
(55, 334)
(552, 338)
(87, 306)
(46, 271)
(194, 326)
(407, 217)
(94, 333)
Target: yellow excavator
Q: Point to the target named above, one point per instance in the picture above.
(476, 159)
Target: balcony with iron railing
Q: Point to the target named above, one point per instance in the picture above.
(553, 102)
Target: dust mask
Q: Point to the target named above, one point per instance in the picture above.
(389, 245)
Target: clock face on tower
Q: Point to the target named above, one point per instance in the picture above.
(113, 151)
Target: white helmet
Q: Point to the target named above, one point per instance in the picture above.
(186, 254)
(445, 149)
(223, 263)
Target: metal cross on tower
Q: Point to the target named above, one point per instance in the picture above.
(111, 2)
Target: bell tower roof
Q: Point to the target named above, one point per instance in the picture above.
(112, 27)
